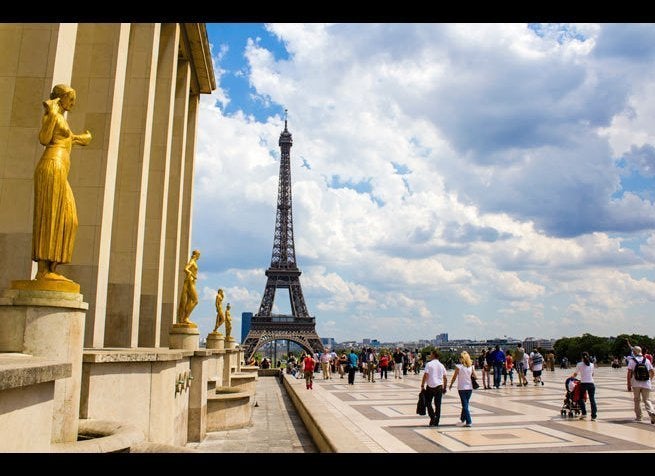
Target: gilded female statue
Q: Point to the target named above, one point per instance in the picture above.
(55, 214)
(220, 317)
(228, 323)
(189, 298)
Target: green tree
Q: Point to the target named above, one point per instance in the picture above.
(619, 346)
(562, 347)
(425, 352)
(597, 346)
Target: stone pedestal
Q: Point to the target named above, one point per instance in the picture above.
(215, 340)
(145, 387)
(184, 336)
(48, 324)
(230, 343)
(44, 284)
(200, 364)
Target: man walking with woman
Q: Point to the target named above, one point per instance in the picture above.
(434, 383)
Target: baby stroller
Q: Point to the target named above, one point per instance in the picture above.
(571, 406)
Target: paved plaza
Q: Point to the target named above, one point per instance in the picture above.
(382, 416)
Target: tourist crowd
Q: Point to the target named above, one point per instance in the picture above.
(497, 367)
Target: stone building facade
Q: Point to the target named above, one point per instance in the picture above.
(138, 87)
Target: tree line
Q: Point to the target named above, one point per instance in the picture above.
(603, 348)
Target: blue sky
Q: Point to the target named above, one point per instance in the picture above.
(232, 41)
(478, 179)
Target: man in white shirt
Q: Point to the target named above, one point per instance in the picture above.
(641, 388)
(434, 383)
(372, 360)
(325, 363)
(334, 365)
(537, 365)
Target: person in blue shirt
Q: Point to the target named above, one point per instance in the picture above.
(352, 361)
(498, 361)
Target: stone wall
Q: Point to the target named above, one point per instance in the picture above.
(27, 396)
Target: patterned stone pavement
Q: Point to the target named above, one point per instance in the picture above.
(516, 419)
(276, 427)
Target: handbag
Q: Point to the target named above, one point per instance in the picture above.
(421, 407)
(474, 382)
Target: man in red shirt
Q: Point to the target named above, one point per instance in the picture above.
(509, 369)
(384, 364)
(308, 364)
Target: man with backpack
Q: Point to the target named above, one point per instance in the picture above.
(640, 374)
(537, 365)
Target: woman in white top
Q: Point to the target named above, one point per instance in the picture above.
(586, 371)
(464, 371)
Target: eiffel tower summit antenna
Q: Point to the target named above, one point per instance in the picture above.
(283, 273)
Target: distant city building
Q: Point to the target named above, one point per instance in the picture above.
(375, 343)
(246, 318)
(328, 342)
(366, 341)
(530, 343)
(410, 345)
(441, 339)
(497, 341)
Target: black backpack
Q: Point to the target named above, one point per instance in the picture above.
(640, 371)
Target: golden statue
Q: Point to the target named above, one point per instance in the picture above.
(228, 324)
(189, 298)
(220, 317)
(55, 213)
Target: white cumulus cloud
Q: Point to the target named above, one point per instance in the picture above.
(455, 178)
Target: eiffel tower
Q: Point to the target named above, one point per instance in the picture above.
(283, 273)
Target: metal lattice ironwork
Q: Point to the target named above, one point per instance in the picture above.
(283, 273)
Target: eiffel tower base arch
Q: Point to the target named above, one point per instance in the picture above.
(308, 340)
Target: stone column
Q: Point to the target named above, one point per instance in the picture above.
(152, 277)
(99, 67)
(33, 58)
(49, 324)
(173, 262)
(187, 195)
(225, 367)
(127, 238)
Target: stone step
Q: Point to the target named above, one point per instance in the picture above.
(244, 381)
(228, 410)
